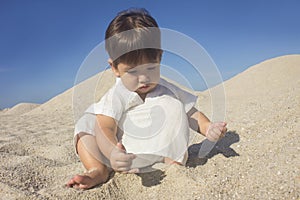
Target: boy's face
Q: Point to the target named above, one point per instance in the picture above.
(142, 78)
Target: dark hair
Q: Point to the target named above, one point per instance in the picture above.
(133, 35)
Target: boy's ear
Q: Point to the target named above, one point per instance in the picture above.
(114, 68)
(110, 62)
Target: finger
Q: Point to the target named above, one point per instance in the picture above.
(123, 163)
(220, 128)
(134, 171)
(119, 151)
(216, 130)
(123, 169)
(220, 124)
(118, 165)
(210, 132)
(216, 133)
(213, 136)
(222, 135)
(121, 146)
(212, 139)
(125, 157)
(125, 160)
(223, 131)
(131, 171)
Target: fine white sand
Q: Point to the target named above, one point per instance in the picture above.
(20, 109)
(258, 158)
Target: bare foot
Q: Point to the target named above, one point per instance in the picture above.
(169, 161)
(89, 179)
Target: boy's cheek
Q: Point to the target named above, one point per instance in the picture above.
(154, 77)
(130, 83)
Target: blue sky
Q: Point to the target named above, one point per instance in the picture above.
(44, 42)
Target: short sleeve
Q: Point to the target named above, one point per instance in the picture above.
(115, 102)
(110, 105)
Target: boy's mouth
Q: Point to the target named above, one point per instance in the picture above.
(144, 87)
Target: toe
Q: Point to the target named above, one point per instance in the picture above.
(70, 183)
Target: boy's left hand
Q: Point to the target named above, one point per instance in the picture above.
(216, 131)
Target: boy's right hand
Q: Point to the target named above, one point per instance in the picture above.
(121, 161)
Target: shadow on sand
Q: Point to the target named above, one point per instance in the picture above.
(221, 147)
(154, 176)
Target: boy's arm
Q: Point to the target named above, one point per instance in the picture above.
(200, 123)
(106, 137)
(106, 129)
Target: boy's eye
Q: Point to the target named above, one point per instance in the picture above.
(131, 71)
(151, 68)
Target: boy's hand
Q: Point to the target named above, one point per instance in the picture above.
(120, 160)
(216, 131)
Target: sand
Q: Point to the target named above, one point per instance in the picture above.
(258, 158)
(20, 109)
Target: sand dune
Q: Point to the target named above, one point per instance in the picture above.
(4, 110)
(76, 100)
(79, 97)
(266, 79)
(258, 158)
(20, 109)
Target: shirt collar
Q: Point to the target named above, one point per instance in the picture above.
(130, 98)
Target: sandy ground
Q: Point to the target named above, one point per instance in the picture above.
(258, 158)
(20, 109)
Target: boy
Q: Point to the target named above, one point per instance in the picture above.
(133, 44)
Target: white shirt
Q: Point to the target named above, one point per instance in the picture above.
(119, 99)
(152, 129)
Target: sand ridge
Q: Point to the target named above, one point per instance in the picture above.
(258, 158)
(20, 109)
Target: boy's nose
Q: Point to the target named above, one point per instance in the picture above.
(143, 78)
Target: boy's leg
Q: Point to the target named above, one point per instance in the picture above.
(97, 172)
(169, 161)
